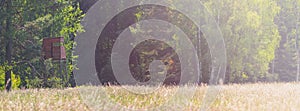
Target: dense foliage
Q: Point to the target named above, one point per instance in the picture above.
(286, 63)
(26, 23)
(251, 37)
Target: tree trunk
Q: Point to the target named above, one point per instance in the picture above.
(298, 58)
(8, 81)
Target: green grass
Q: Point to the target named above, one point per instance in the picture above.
(247, 97)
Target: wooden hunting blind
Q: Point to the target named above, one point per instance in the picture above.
(53, 48)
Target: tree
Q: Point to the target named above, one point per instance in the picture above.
(26, 23)
(287, 58)
(251, 37)
(8, 37)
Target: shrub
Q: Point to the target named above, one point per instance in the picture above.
(16, 81)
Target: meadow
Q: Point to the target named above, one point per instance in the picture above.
(233, 97)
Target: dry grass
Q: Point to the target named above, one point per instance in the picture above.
(247, 97)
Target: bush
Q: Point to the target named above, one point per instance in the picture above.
(16, 81)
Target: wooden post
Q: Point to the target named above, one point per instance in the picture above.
(62, 71)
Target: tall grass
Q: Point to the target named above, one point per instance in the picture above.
(234, 97)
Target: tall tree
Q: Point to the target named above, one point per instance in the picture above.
(251, 37)
(9, 38)
(287, 55)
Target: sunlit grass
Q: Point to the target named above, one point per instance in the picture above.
(253, 97)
